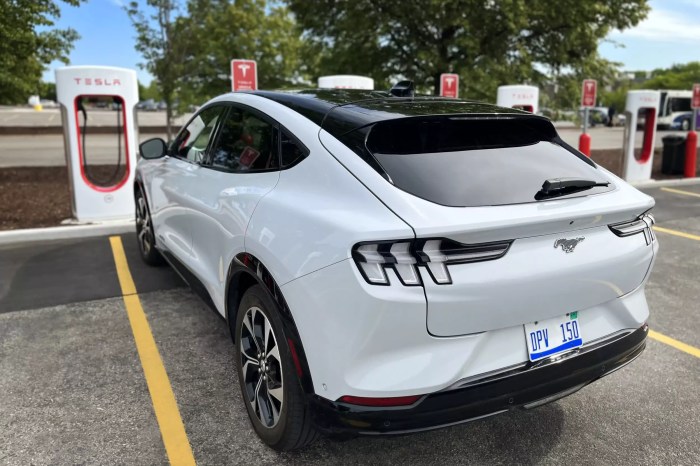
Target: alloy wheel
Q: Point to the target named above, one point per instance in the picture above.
(261, 367)
(143, 225)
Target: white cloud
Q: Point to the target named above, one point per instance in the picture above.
(119, 3)
(664, 26)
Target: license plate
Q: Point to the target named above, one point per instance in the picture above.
(553, 336)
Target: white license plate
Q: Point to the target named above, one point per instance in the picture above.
(553, 336)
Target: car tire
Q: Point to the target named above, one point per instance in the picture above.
(270, 386)
(145, 235)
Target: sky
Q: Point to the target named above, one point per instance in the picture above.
(669, 35)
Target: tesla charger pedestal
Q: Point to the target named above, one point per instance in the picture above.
(346, 81)
(519, 96)
(108, 95)
(637, 164)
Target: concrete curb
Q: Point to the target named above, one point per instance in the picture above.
(662, 183)
(32, 235)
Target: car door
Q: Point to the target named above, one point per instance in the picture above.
(241, 166)
(171, 183)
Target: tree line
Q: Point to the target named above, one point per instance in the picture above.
(187, 45)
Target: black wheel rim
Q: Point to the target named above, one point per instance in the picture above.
(261, 367)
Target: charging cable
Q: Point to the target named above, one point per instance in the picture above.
(113, 177)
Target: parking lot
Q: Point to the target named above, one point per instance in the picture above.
(83, 383)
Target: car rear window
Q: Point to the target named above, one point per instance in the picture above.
(468, 162)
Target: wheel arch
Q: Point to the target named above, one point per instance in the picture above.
(246, 271)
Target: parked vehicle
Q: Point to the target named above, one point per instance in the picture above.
(673, 104)
(619, 119)
(389, 265)
(147, 105)
(48, 103)
(596, 116)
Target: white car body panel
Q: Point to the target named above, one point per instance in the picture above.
(225, 202)
(170, 210)
(601, 268)
(372, 340)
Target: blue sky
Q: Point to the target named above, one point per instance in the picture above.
(107, 36)
(670, 34)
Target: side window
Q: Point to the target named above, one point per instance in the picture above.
(193, 140)
(292, 150)
(246, 143)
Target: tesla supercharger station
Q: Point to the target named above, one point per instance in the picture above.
(637, 163)
(346, 81)
(519, 96)
(100, 166)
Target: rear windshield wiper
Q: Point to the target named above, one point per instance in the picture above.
(562, 186)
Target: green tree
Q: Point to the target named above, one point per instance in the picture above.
(675, 77)
(47, 90)
(564, 89)
(150, 91)
(162, 41)
(28, 43)
(616, 97)
(487, 42)
(221, 30)
(189, 52)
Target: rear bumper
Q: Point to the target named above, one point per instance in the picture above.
(525, 387)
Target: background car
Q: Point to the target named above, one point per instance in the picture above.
(596, 116)
(388, 265)
(147, 105)
(48, 103)
(619, 119)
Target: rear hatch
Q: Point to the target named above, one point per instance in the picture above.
(475, 183)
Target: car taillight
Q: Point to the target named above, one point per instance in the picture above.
(435, 254)
(642, 224)
(372, 258)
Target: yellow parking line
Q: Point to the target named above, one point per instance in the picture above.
(677, 233)
(680, 191)
(177, 446)
(679, 345)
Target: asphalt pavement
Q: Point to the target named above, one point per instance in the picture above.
(74, 391)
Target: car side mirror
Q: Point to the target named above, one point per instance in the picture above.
(153, 149)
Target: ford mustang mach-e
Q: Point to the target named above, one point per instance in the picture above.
(395, 264)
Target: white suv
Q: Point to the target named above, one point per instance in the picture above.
(389, 265)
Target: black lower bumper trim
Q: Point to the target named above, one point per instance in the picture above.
(529, 386)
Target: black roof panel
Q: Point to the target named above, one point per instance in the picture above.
(339, 111)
